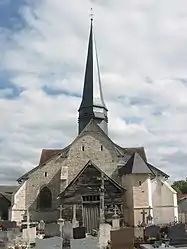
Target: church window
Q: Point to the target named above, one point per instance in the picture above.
(140, 183)
(45, 198)
(45, 174)
(101, 147)
(82, 147)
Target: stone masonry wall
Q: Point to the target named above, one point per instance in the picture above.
(91, 147)
(18, 207)
(36, 182)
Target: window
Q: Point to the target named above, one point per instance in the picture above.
(82, 147)
(101, 147)
(91, 198)
(140, 183)
(45, 198)
(45, 174)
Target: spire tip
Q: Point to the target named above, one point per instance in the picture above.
(91, 15)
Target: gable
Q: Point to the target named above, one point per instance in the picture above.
(89, 180)
(45, 158)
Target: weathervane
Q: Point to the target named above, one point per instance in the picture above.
(91, 14)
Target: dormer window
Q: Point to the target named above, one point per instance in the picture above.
(45, 174)
(101, 147)
(140, 183)
(82, 148)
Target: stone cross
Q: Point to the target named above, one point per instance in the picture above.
(149, 217)
(60, 209)
(91, 14)
(102, 200)
(115, 211)
(143, 217)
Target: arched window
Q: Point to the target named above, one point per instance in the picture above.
(45, 198)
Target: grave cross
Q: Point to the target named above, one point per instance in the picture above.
(143, 217)
(60, 209)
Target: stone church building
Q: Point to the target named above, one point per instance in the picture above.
(93, 175)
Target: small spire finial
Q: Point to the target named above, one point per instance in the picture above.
(91, 14)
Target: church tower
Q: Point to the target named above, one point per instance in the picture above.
(92, 105)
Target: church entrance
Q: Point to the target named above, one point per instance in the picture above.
(91, 212)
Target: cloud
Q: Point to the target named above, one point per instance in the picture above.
(142, 55)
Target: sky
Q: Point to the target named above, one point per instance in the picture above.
(142, 55)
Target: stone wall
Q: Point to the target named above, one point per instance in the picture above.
(18, 208)
(164, 202)
(93, 147)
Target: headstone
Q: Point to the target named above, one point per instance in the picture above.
(67, 230)
(52, 230)
(152, 231)
(104, 234)
(115, 220)
(53, 242)
(29, 234)
(79, 232)
(139, 232)
(89, 242)
(122, 238)
(75, 223)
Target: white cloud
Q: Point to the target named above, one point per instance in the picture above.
(143, 56)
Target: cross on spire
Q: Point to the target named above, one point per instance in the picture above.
(91, 14)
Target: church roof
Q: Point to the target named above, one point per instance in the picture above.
(135, 165)
(88, 164)
(46, 155)
(157, 171)
(8, 189)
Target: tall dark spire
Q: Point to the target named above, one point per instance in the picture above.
(92, 105)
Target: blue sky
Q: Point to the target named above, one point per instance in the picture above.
(143, 57)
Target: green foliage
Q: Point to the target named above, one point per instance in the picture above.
(180, 186)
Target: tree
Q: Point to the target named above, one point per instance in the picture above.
(180, 186)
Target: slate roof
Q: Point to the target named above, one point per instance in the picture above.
(90, 163)
(135, 165)
(47, 154)
(8, 189)
(157, 171)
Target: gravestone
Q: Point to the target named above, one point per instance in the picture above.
(51, 230)
(177, 234)
(53, 242)
(152, 231)
(139, 232)
(104, 234)
(122, 238)
(68, 230)
(177, 231)
(79, 232)
(29, 233)
(89, 242)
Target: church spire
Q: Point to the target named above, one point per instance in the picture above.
(92, 105)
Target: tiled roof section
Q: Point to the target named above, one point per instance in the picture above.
(181, 197)
(47, 154)
(157, 171)
(135, 165)
(8, 189)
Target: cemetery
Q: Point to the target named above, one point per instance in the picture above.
(69, 234)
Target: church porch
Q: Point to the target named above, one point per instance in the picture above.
(91, 197)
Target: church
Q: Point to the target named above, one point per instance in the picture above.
(93, 176)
